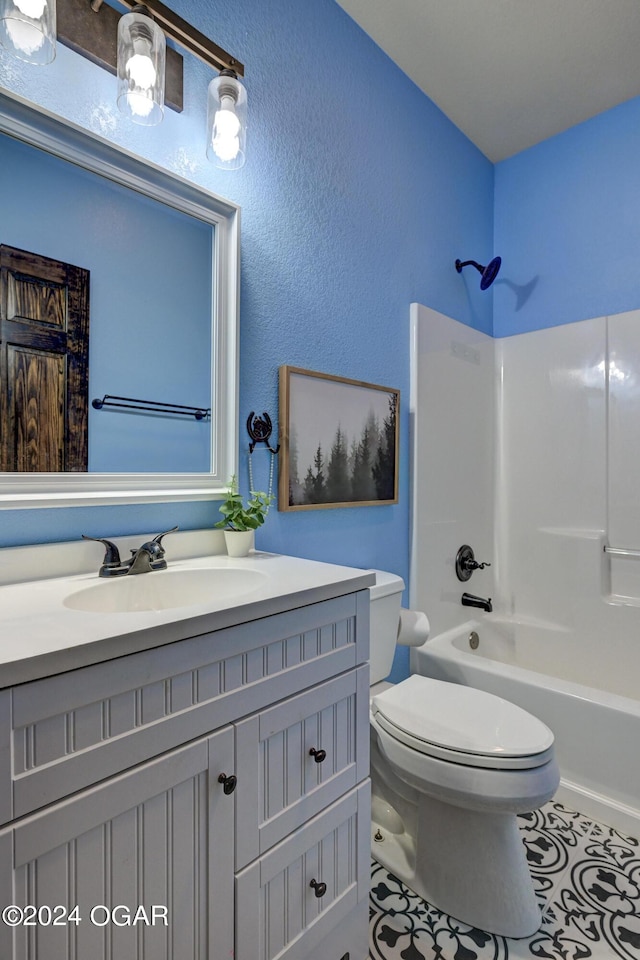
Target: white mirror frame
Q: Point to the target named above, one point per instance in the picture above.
(23, 121)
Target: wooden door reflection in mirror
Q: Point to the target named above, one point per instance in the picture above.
(44, 349)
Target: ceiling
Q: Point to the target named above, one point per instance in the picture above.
(510, 73)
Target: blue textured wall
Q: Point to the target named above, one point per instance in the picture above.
(357, 196)
(567, 222)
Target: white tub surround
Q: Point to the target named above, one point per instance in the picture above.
(527, 448)
(569, 415)
(143, 755)
(595, 732)
(452, 448)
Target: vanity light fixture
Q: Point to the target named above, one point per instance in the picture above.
(141, 67)
(133, 47)
(28, 29)
(226, 121)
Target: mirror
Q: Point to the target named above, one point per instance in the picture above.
(163, 260)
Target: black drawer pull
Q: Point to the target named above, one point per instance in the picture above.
(229, 782)
(318, 755)
(318, 888)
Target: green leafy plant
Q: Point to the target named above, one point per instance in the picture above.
(237, 516)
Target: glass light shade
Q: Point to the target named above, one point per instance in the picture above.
(28, 29)
(141, 61)
(226, 121)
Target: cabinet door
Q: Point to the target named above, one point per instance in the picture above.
(159, 837)
(299, 756)
(294, 896)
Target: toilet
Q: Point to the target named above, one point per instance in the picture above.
(451, 767)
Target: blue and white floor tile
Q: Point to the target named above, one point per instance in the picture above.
(586, 876)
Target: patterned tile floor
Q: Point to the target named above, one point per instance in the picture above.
(587, 878)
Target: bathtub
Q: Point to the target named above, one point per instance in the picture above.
(596, 732)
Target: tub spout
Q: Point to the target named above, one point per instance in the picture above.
(468, 600)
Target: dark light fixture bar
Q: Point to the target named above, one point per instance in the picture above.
(188, 37)
(94, 35)
(91, 29)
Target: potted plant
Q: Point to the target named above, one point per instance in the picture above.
(240, 520)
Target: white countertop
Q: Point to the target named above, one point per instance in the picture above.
(40, 636)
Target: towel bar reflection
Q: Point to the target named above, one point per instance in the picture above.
(151, 406)
(623, 552)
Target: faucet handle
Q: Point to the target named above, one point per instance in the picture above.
(158, 539)
(466, 563)
(154, 550)
(112, 554)
(157, 549)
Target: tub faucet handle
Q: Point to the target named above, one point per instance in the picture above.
(466, 563)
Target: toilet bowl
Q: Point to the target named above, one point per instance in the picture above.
(451, 768)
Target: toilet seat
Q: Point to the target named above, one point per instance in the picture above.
(462, 725)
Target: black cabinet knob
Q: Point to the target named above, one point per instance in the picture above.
(318, 755)
(318, 888)
(228, 782)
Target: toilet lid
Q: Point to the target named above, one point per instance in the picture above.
(462, 719)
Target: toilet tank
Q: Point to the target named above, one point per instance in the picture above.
(385, 595)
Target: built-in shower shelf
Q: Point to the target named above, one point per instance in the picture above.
(623, 552)
(620, 600)
(574, 533)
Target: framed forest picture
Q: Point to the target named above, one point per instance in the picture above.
(338, 441)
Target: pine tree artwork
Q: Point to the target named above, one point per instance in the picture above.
(340, 441)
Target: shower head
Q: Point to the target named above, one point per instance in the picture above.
(489, 273)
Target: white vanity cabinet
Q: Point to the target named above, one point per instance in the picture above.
(116, 792)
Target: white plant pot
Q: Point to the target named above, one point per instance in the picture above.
(239, 542)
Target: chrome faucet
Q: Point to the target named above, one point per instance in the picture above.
(150, 556)
(468, 600)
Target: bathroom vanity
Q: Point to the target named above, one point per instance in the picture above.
(188, 783)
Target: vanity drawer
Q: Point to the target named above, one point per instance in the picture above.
(287, 783)
(66, 732)
(332, 850)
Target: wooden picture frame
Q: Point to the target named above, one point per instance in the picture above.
(338, 441)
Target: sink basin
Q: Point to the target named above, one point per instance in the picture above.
(165, 590)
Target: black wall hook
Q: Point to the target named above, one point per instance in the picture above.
(259, 429)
